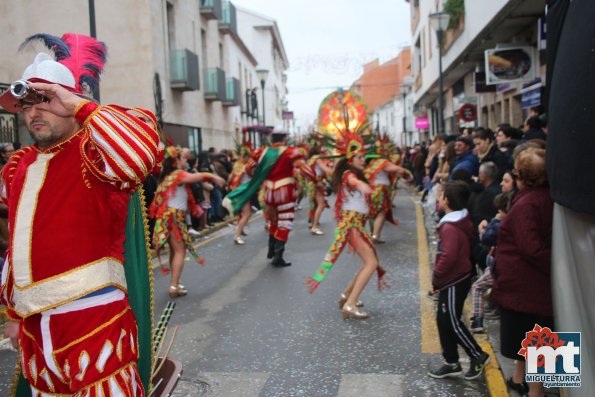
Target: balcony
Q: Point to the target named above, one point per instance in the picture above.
(232, 96)
(184, 70)
(211, 9)
(228, 23)
(215, 85)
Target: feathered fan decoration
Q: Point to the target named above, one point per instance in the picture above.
(84, 56)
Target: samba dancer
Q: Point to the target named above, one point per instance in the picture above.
(351, 212)
(382, 175)
(172, 200)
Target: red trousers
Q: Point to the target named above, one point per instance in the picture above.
(87, 347)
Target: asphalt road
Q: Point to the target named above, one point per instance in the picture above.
(248, 329)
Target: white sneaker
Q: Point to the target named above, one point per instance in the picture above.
(239, 241)
(194, 233)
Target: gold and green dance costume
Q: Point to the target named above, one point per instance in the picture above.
(171, 221)
(351, 228)
(381, 197)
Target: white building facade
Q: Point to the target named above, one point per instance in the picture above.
(183, 59)
(481, 26)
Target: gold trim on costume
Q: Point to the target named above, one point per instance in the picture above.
(90, 334)
(272, 185)
(79, 106)
(67, 287)
(25, 211)
(106, 351)
(84, 362)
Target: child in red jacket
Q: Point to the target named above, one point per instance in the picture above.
(451, 279)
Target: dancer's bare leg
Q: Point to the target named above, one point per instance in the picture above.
(379, 223)
(319, 208)
(178, 252)
(368, 256)
(244, 217)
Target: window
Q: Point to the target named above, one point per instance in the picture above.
(171, 27)
(195, 140)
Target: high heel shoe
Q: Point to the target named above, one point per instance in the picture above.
(176, 291)
(377, 240)
(343, 299)
(353, 312)
(182, 290)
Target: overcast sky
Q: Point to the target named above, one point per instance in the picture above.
(328, 41)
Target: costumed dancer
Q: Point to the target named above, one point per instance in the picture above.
(351, 212)
(172, 200)
(274, 169)
(382, 175)
(239, 176)
(301, 183)
(68, 287)
(317, 188)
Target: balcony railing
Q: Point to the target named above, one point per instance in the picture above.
(228, 23)
(211, 9)
(215, 85)
(184, 70)
(232, 94)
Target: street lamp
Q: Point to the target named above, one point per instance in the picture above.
(439, 22)
(404, 88)
(262, 75)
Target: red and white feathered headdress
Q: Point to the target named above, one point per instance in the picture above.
(76, 64)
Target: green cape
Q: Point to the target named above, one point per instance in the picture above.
(236, 199)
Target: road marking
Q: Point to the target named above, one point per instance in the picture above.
(492, 372)
(377, 385)
(430, 342)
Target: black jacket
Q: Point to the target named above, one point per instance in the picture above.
(571, 61)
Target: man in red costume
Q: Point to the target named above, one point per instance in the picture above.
(63, 281)
(280, 191)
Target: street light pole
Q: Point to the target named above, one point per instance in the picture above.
(440, 34)
(439, 22)
(262, 75)
(404, 95)
(93, 33)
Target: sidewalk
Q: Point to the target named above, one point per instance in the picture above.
(500, 368)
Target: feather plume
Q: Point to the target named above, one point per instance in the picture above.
(87, 57)
(55, 44)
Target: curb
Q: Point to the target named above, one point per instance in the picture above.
(204, 234)
(203, 239)
(493, 374)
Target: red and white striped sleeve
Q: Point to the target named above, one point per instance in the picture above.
(121, 145)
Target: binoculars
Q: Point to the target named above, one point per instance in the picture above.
(26, 95)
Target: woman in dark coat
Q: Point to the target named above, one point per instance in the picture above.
(522, 273)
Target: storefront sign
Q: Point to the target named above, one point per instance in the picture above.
(480, 83)
(422, 123)
(468, 112)
(510, 65)
(531, 94)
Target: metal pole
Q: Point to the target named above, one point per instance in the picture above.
(93, 33)
(404, 117)
(440, 102)
(92, 18)
(264, 123)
